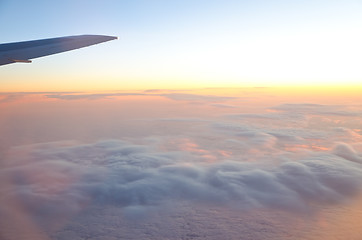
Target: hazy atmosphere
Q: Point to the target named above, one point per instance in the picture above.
(204, 120)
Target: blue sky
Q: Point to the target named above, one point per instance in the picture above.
(214, 43)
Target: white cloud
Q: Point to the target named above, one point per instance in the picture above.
(60, 181)
(347, 152)
(282, 160)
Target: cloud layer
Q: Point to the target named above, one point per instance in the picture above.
(170, 156)
(61, 180)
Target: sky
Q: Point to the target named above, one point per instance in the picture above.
(187, 44)
(204, 120)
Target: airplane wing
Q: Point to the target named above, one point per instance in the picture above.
(24, 51)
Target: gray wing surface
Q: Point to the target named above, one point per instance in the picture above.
(24, 51)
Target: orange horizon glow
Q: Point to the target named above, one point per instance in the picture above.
(31, 87)
(322, 94)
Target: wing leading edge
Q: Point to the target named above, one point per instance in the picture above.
(24, 51)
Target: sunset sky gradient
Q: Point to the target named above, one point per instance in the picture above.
(187, 44)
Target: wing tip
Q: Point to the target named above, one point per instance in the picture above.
(102, 38)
